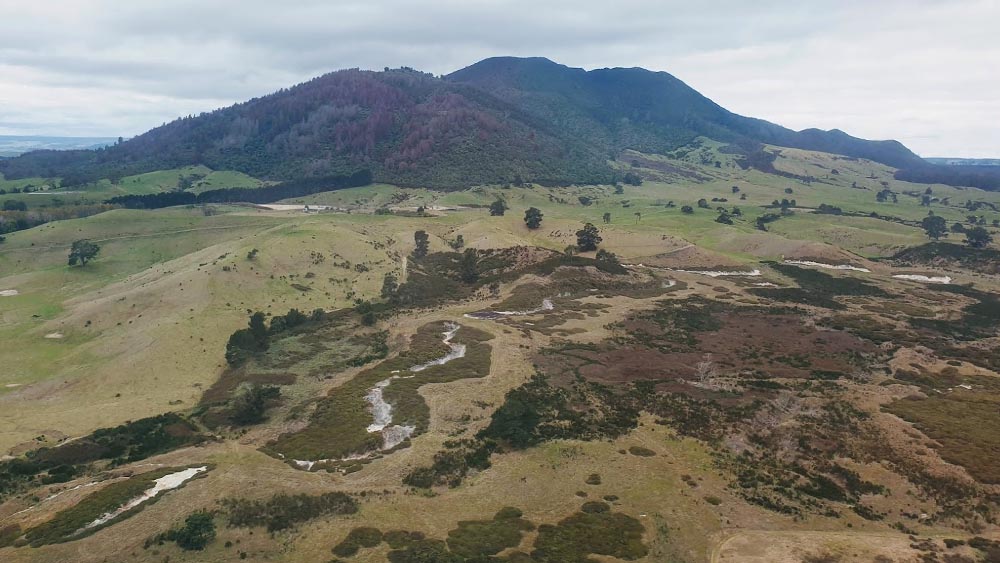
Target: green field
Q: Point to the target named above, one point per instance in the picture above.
(46, 193)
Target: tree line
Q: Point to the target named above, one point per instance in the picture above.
(267, 194)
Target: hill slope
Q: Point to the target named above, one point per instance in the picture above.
(499, 120)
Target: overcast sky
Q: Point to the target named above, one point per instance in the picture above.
(926, 72)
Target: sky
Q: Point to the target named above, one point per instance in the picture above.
(925, 72)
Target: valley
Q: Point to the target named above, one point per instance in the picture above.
(805, 382)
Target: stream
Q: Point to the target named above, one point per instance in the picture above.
(492, 315)
(395, 434)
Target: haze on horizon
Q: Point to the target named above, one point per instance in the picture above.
(924, 72)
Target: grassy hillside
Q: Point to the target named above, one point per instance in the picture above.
(675, 416)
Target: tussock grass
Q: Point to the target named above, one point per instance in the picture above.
(964, 424)
(284, 511)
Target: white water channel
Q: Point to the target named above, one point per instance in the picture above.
(394, 434)
(719, 273)
(165, 483)
(827, 266)
(925, 279)
(547, 305)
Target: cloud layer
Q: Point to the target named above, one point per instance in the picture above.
(925, 72)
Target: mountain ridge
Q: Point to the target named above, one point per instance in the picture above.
(503, 119)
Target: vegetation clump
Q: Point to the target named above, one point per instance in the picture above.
(478, 538)
(593, 530)
(588, 238)
(195, 534)
(122, 444)
(284, 511)
(356, 539)
(249, 402)
(533, 218)
(498, 207)
(817, 288)
(78, 520)
(421, 243)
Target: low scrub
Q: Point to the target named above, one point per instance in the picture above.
(338, 427)
(283, 511)
(74, 522)
(816, 288)
(127, 443)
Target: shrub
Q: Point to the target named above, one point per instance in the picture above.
(356, 539)
(196, 533)
(285, 511)
(479, 538)
(594, 530)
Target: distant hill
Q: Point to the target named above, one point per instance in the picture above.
(500, 120)
(14, 145)
(964, 161)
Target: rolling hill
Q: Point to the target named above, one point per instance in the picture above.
(500, 120)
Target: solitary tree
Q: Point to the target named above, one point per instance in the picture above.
(638, 216)
(588, 238)
(703, 203)
(422, 242)
(82, 251)
(533, 217)
(978, 237)
(935, 226)
(469, 266)
(607, 217)
(687, 209)
(498, 207)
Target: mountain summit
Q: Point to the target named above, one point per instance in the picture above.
(502, 119)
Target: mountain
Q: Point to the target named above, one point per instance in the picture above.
(500, 120)
(648, 111)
